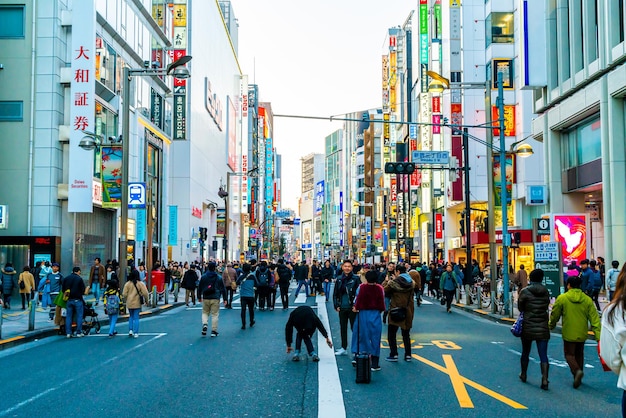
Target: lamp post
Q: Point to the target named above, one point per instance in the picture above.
(176, 69)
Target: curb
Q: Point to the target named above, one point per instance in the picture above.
(53, 331)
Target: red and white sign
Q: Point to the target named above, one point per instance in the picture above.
(197, 212)
(394, 191)
(438, 226)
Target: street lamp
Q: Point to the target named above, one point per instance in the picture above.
(176, 69)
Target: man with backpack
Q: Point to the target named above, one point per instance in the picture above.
(210, 289)
(284, 278)
(263, 280)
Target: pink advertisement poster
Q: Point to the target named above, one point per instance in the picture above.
(571, 232)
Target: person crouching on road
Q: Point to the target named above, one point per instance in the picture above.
(369, 305)
(247, 285)
(400, 292)
(210, 289)
(578, 311)
(75, 287)
(133, 290)
(305, 321)
(534, 300)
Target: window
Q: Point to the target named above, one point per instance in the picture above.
(12, 22)
(582, 144)
(499, 28)
(11, 111)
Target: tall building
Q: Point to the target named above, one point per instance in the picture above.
(333, 203)
(310, 213)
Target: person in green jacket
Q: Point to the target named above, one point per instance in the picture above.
(578, 311)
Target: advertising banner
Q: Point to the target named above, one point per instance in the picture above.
(141, 225)
(111, 172)
(510, 179)
(571, 230)
(82, 105)
(319, 197)
(172, 231)
(231, 136)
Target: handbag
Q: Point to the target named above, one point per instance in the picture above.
(142, 300)
(60, 301)
(516, 329)
(442, 300)
(399, 313)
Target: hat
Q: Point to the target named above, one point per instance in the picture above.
(75, 269)
(55, 265)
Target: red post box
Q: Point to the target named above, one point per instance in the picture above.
(158, 280)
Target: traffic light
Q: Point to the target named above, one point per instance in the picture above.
(214, 245)
(399, 168)
(517, 238)
(203, 232)
(462, 227)
(486, 224)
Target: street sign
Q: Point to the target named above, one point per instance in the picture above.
(136, 195)
(548, 258)
(296, 221)
(252, 233)
(431, 157)
(543, 226)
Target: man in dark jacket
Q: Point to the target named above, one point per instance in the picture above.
(284, 277)
(305, 321)
(75, 287)
(301, 274)
(343, 300)
(209, 291)
(264, 280)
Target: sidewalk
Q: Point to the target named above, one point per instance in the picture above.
(15, 322)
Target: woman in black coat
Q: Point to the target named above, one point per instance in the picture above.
(533, 301)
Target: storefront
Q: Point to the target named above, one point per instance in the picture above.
(22, 251)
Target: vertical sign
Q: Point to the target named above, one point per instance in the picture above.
(82, 105)
(3, 217)
(172, 232)
(571, 231)
(341, 218)
(423, 30)
(141, 225)
(438, 226)
(319, 197)
(548, 259)
(231, 136)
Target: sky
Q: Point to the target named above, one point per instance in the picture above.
(314, 58)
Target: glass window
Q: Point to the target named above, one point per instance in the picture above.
(12, 22)
(106, 65)
(11, 111)
(588, 142)
(106, 122)
(499, 28)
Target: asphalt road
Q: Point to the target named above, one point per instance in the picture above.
(462, 366)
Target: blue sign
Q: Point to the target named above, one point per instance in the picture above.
(430, 157)
(141, 225)
(537, 195)
(341, 218)
(136, 195)
(172, 232)
(296, 221)
(319, 197)
(413, 131)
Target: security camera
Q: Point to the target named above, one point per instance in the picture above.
(222, 193)
(146, 64)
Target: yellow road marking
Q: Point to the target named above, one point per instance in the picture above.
(8, 340)
(465, 380)
(457, 383)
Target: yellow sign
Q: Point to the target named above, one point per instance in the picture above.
(157, 14)
(180, 15)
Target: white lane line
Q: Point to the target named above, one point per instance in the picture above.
(330, 395)
(80, 376)
(121, 336)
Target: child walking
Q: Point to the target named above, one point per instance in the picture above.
(112, 304)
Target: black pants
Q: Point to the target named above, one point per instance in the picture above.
(345, 315)
(264, 296)
(574, 355)
(392, 331)
(305, 336)
(449, 295)
(25, 299)
(594, 298)
(284, 294)
(229, 296)
(271, 300)
(247, 302)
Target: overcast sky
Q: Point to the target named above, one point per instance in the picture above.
(317, 58)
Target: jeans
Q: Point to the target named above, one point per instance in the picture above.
(327, 289)
(574, 355)
(542, 349)
(95, 287)
(212, 307)
(284, 294)
(74, 305)
(392, 330)
(133, 320)
(112, 323)
(345, 314)
(306, 287)
(247, 303)
(611, 292)
(306, 336)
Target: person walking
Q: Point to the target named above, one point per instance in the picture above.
(449, 283)
(247, 283)
(343, 300)
(133, 291)
(26, 283)
(188, 283)
(229, 277)
(263, 280)
(210, 289)
(74, 286)
(611, 278)
(112, 300)
(97, 278)
(8, 283)
(302, 274)
(369, 305)
(595, 284)
(55, 278)
(327, 276)
(613, 338)
(578, 311)
(284, 278)
(306, 322)
(400, 291)
(521, 279)
(534, 300)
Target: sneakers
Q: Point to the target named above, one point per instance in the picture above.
(375, 368)
(136, 335)
(214, 334)
(407, 358)
(315, 357)
(243, 326)
(296, 356)
(80, 335)
(341, 352)
(130, 333)
(205, 327)
(392, 358)
(68, 336)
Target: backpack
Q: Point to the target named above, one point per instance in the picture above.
(113, 304)
(263, 277)
(210, 289)
(596, 280)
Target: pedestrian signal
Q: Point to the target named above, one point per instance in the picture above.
(399, 168)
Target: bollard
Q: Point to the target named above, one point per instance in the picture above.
(154, 296)
(165, 292)
(32, 307)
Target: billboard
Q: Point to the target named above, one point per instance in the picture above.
(231, 135)
(319, 197)
(571, 230)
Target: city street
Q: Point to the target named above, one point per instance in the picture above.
(463, 365)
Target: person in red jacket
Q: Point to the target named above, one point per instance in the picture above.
(369, 303)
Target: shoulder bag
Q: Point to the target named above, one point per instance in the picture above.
(142, 300)
(398, 314)
(516, 329)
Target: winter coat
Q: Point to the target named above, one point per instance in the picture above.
(345, 291)
(400, 292)
(301, 272)
(522, 278)
(8, 280)
(284, 274)
(611, 278)
(131, 296)
(534, 300)
(612, 342)
(189, 280)
(247, 285)
(97, 273)
(210, 278)
(448, 281)
(578, 310)
(228, 276)
(327, 273)
(29, 282)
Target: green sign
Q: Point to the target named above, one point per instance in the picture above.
(547, 258)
